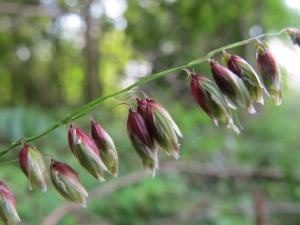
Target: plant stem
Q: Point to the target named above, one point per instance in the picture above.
(88, 107)
(14, 160)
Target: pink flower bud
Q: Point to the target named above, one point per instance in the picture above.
(142, 141)
(142, 107)
(232, 87)
(160, 125)
(33, 165)
(85, 150)
(245, 71)
(66, 182)
(106, 148)
(8, 210)
(294, 35)
(269, 71)
(210, 99)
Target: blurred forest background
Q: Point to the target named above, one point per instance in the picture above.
(57, 55)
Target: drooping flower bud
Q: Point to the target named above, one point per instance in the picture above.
(269, 71)
(33, 166)
(66, 182)
(160, 125)
(8, 210)
(294, 35)
(142, 141)
(232, 86)
(210, 99)
(85, 150)
(106, 148)
(142, 107)
(245, 71)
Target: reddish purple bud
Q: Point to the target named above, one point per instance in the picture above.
(294, 35)
(298, 39)
(86, 151)
(210, 99)
(106, 148)
(201, 96)
(142, 141)
(233, 67)
(232, 86)
(66, 182)
(142, 106)
(244, 70)
(33, 165)
(269, 71)
(8, 209)
(160, 125)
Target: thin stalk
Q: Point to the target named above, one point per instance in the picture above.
(14, 160)
(88, 107)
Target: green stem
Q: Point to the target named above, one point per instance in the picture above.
(14, 160)
(88, 107)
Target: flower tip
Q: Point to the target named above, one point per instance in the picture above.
(83, 204)
(104, 167)
(151, 169)
(278, 103)
(216, 122)
(251, 109)
(44, 190)
(276, 96)
(101, 179)
(231, 125)
(234, 128)
(175, 153)
(152, 172)
(176, 128)
(261, 101)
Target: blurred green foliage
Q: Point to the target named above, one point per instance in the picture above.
(41, 89)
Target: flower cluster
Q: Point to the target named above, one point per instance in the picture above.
(86, 149)
(151, 127)
(237, 84)
(148, 128)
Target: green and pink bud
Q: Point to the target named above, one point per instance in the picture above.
(66, 182)
(142, 141)
(86, 151)
(8, 209)
(161, 125)
(33, 166)
(232, 87)
(269, 71)
(244, 70)
(106, 147)
(210, 99)
(294, 35)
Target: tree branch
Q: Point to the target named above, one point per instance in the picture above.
(184, 167)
